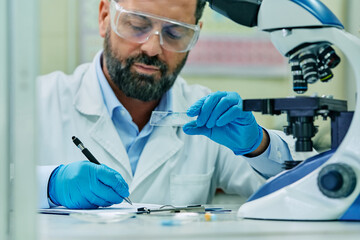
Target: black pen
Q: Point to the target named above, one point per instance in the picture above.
(91, 157)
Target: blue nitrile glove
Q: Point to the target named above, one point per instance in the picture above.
(86, 185)
(221, 118)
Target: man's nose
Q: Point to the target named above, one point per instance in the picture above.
(152, 46)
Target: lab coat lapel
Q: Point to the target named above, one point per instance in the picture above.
(105, 134)
(89, 102)
(163, 143)
(161, 146)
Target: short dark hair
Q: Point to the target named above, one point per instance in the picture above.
(200, 5)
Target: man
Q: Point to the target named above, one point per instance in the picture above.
(108, 104)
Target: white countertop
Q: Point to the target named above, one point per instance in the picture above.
(227, 226)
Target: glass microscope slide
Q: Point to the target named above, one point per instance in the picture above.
(159, 118)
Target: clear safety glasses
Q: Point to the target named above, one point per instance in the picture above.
(139, 27)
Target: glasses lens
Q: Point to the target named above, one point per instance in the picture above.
(177, 37)
(138, 27)
(134, 27)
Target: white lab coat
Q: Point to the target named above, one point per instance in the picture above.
(174, 168)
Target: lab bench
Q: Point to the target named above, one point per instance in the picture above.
(225, 226)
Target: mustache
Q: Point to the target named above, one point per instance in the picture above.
(145, 59)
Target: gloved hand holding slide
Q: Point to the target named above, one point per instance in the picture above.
(221, 118)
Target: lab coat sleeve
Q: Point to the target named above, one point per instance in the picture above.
(43, 175)
(280, 149)
(270, 162)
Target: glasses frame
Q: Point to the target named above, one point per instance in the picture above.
(115, 7)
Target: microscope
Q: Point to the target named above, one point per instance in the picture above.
(326, 186)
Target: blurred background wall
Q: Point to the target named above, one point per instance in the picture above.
(228, 57)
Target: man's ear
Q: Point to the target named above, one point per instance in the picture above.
(201, 24)
(104, 17)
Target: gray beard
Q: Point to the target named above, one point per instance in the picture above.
(139, 86)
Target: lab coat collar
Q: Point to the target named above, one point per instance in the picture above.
(88, 99)
(180, 104)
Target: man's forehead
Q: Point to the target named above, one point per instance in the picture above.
(180, 10)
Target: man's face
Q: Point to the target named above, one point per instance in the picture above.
(145, 71)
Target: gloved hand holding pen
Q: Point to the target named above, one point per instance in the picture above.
(86, 185)
(221, 118)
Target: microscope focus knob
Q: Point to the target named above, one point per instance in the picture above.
(337, 180)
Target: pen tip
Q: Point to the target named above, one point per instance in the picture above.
(73, 138)
(128, 200)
